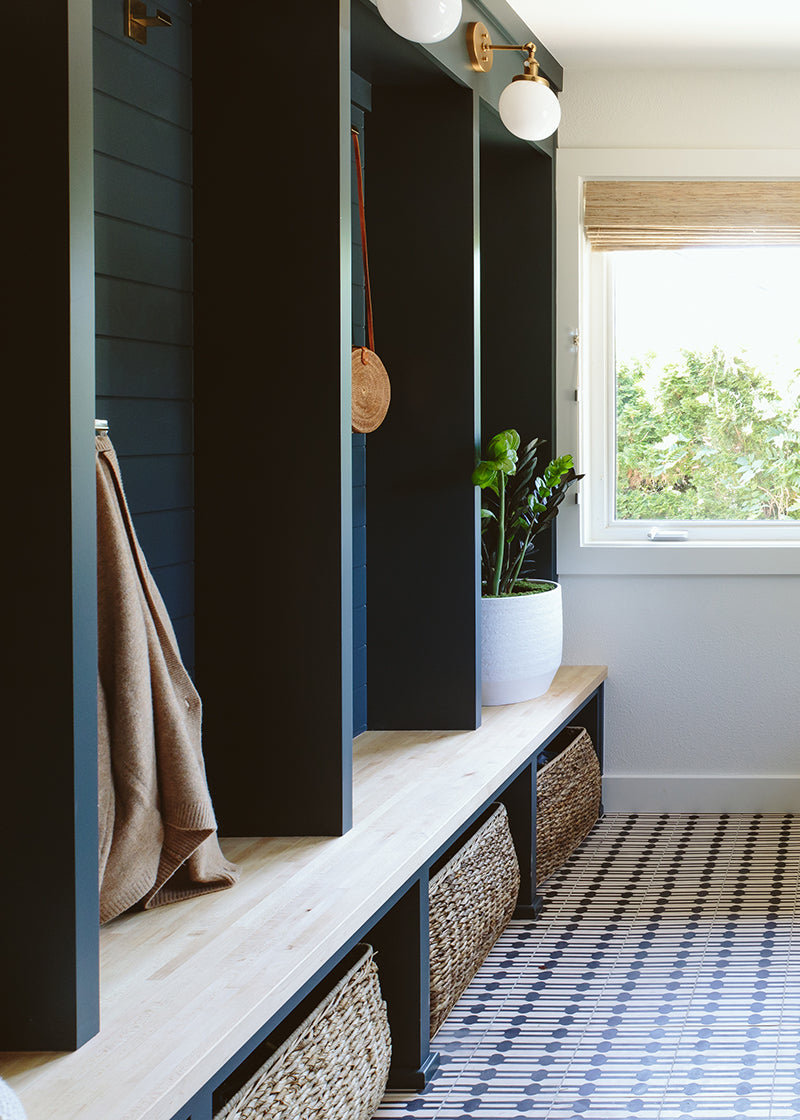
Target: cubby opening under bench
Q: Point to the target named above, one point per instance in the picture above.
(189, 991)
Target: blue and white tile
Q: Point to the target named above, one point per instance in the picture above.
(660, 983)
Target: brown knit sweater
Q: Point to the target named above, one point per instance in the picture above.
(158, 840)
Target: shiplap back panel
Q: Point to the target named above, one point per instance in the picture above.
(143, 229)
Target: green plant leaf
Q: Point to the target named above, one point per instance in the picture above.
(518, 499)
(484, 474)
(503, 444)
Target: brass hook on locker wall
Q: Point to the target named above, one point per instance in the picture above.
(137, 20)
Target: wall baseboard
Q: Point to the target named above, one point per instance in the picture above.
(708, 793)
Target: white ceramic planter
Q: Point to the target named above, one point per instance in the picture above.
(521, 644)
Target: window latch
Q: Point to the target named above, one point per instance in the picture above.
(655, 534)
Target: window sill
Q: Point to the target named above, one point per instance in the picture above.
(669, 558)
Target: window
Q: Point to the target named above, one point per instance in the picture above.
(686, 295)
(706, 354)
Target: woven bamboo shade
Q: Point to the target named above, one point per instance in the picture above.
(680, 214)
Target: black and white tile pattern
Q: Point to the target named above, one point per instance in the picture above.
(661, 982)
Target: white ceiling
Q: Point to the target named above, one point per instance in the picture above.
(723, 34)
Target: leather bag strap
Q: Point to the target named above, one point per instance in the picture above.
(367, 288)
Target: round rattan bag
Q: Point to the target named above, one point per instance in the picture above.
(371, 390)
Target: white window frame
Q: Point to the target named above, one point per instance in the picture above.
(588, 541)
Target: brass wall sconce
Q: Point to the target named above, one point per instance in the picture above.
(528, 107)
(137, 20)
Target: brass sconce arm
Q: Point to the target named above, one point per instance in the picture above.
(530, 47)
(137, 20)
(481, 49)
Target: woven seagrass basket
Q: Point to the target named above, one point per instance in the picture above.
(472, 899)
(334, 1066)
(567, 799)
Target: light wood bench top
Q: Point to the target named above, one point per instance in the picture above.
(185, 986)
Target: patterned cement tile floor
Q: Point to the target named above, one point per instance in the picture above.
(661, 982)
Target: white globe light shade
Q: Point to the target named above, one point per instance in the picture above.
(529, 109)
(422, 21)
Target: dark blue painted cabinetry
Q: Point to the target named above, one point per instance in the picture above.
(222, 325)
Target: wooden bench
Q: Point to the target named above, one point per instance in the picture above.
(188, 991)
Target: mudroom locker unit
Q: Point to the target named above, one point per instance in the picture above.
(182, 259)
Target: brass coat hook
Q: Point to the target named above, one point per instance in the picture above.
(137, 20)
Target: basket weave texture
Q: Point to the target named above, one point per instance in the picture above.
(334, 1066)
(371, 391)
(472, 899)
(567, 801)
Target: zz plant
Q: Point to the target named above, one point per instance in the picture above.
(516, 505)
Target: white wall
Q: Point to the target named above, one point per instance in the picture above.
(704, 672)
(680, 109)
